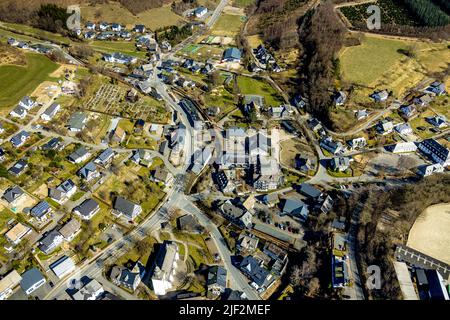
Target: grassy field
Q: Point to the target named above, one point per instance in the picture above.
(249, 85)
(126, 47)
(200, 52)
(228, 25)
(34, 32)
(242, 3)
(18, 81)
(379, 62)
(114, 12)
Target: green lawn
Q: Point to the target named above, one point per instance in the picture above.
(126, 47)
(366, 63)
(253, 86)
(38, 32)
(228, 25)
(242, 3)
(18, 81)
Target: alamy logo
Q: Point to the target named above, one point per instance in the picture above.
(373, 277)
(374, 20)
(74, 21)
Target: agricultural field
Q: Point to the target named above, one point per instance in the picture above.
(243, 3)
(18, 81)
(126, 47)
(380, 62)
(253, 86)
(113, 12)
(228, 25)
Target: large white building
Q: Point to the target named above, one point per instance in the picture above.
(165, 268)
(435, 151)
(404, 147)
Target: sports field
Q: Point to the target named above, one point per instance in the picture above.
(18, 81)
(430, 232)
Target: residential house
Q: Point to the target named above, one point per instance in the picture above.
(19, 139)
(105, 157)
(334, 147)
(53, 144)
(50, 242)
(296, 209)
(89, 172)
(231, 55)
(269, 199)
(385, 126)
(380, 96)
(142, 157)
(357, 143)
(408, 111)
(41, 210)
(77, 122)
(216, 282)
(116, 27)
(403, 129)
(236, 214)
(340, 164)
(165, 268)
(423, 100)
(104, 26)
(326, 205)
(310, 191)
(247, 243)
(299, 102)
(339, 275)
(90, 25)
(127, 208)
(200, 12)
(32, 280)
(8, 283)
(339, 98)
(17, 233)
(304, 163)
(87, 209)
(436, 151)
(253, 102)
(62, 266)
(438, 121)
(18, 168)
(428, 170)
(90, 35)
(70, 229)
(438, 88)
(50, 112)
(63, 192)
(90, 291)
(14, 195)
(118, 135)
(259, 276)
(280, 112)
(19, 112)
(27, 103)
(139, 28)
(361, 114)
(162, 175)
(338, 224)
(139, 125)
(403, 147)
(118, 57)
(267, 175)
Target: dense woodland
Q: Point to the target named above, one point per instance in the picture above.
(321, 37)
(429, 13)
(377, 240)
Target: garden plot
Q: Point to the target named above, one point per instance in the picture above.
(110, 99)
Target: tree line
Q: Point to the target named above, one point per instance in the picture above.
(321, 37)
(429, 13)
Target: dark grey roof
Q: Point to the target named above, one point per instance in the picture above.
(87, 170)
(105, 155)
(40, 209)
(217, 275)
(66, 186)
(87, 207)
(309, 190)
(124, 206)
(48, 240)
(252, 269)
(18, 167)
(13, 193)
(79, 153)
(30, 278)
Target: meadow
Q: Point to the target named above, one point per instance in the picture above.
(18, 81)
(228, 25)
(249, 85)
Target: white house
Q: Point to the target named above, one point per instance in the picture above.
(402, 147)
(19, 112)
(50, 112)
(200, 12)
(357, 143)
(27, 103)
(428, 170)
(403, 128)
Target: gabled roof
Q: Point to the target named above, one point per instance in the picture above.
(77, 120)
(40, 209)
(217, 275)
(125, 206)
(105, 155)
(308, 190)
(13, 193)
(30, 278)
(87, 207)
(78, 153)
(232, 53)
(87, 170)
